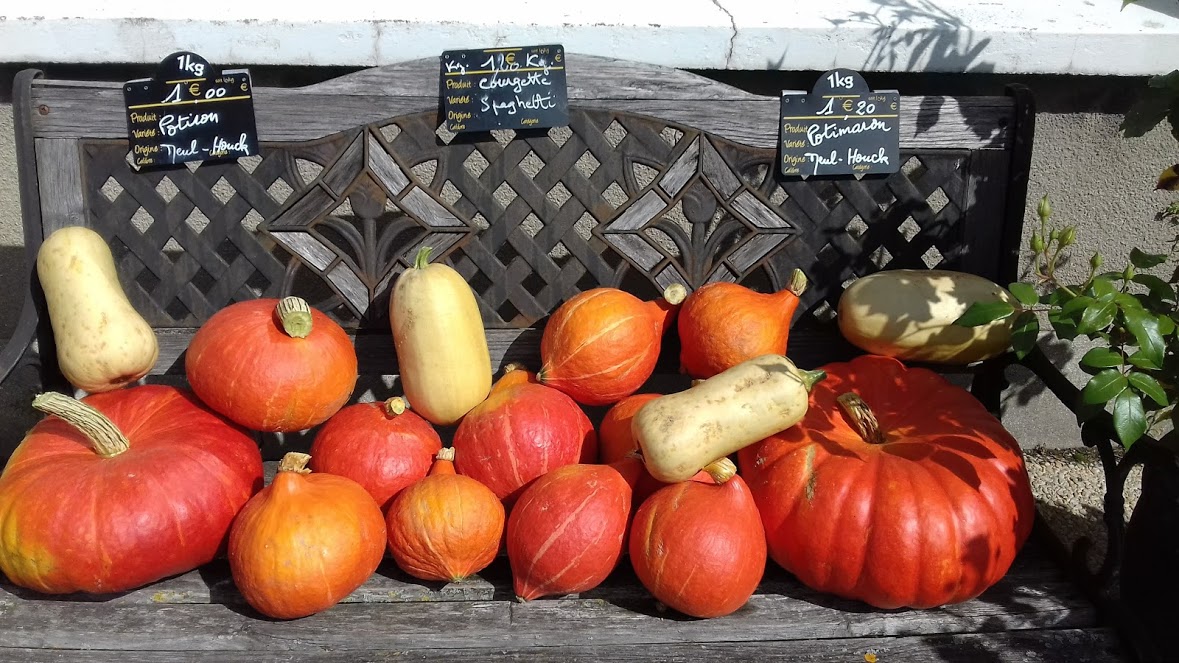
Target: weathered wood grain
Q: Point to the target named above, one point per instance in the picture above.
(59, 178)
(587, 77)
(1096, 645)
(292, 114)
(506, 623)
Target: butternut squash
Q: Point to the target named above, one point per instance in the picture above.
(102, 342)
(440, 341)
(909, 314)
(682, 433)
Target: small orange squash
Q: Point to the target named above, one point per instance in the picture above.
(520, 432)
(568, 529)
(305, 542)
(382, 446)
(699, 545)
(602, 344)
(272, 365)
(445, 527)
(723, 324)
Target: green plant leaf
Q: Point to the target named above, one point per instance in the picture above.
(1097, 315)
(1166, 325)
(1127, 301)
(1129, 417)
(1148, 386)
(1104, 288)
(1024, 333)
(1101, 358)
(1103, 386)
(1025, 293)
(1064, 326)
(1146, 260)
(1145, 328)
(1076, 305)
(1157, 287)
(980, 313)
(1142, 361)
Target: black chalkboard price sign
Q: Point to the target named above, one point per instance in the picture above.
(841, 128)
(504, 88)
(190, 111)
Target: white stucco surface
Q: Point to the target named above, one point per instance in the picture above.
(1002, 36)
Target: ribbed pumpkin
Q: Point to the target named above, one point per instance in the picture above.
(898, 488)
(698, 546)
(723, 324)
(520, 432)
(142, 483)
(602, 344)
(272, 365)
(445, 527)
(305, 542)
(567, 531)
(382, 446)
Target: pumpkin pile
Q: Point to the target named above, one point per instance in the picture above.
(867, 479)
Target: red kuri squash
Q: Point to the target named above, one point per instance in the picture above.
(698, 546)
(305, 541)
(520, 432)
(446, 526)
(602, 344)
(272, 365)
(382, 446)
(567, 531)
(723, 324)
(898, 488)
(121, 489)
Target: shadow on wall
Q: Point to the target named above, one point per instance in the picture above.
(1168, 7)
(949, 45)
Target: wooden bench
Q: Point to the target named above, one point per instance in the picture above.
(661, 176)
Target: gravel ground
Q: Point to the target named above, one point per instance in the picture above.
(1069, 487)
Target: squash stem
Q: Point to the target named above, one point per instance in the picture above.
(675, 294)
(721, 470)
(445, 453)
(105, 438)
(862, 416)
(295, 316)
(798, 283)
(395, 406)
(422, 259)
(811, 378)
(294, 461)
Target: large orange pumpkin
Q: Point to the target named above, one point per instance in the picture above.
(698, 546)
(305, 542)
(382, 446)
(121, 489)
(898, 488)
(445, 527)
(520, 432)
(602, 344)
(272, 365)
(723, 324)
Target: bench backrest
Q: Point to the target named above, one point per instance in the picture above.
(661, 176)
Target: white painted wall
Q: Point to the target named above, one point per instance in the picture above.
(1007, 36)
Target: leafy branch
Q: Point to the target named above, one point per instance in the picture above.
(1132, 314)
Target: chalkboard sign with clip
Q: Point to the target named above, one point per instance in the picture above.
(190, 111)
(841, 128)
(504, 88)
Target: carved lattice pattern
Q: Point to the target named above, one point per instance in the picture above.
(528, 218)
